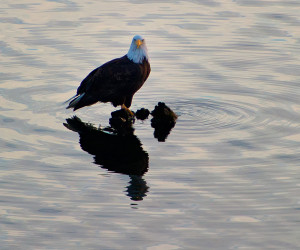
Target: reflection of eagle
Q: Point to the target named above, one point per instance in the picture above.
(115, 81)
(119, 153)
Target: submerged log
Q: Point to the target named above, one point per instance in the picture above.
(142, 114)
(164, 119)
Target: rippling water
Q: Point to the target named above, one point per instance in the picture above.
(227, 176)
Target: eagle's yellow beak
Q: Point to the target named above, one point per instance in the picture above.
(138, 43)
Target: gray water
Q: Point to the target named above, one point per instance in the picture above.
(226, 177)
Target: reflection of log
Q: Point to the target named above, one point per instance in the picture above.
(118, 153)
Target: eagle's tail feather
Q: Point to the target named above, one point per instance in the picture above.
(73, 97)
(74, 100)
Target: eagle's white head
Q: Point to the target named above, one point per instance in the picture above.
(138, 50)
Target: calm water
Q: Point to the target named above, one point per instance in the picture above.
(227, 176)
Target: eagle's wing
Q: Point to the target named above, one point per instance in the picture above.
(111, 79)
(115, 81)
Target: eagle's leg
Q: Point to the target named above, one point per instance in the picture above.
(127, 110)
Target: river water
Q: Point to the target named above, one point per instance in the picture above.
(227, 175)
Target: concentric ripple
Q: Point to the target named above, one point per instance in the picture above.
(209, 115)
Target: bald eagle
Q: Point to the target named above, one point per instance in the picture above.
(115, 81)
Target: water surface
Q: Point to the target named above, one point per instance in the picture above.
(227, 176)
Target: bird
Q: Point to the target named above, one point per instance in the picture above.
(115, 81)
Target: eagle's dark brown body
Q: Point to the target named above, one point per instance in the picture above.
(115, 81)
